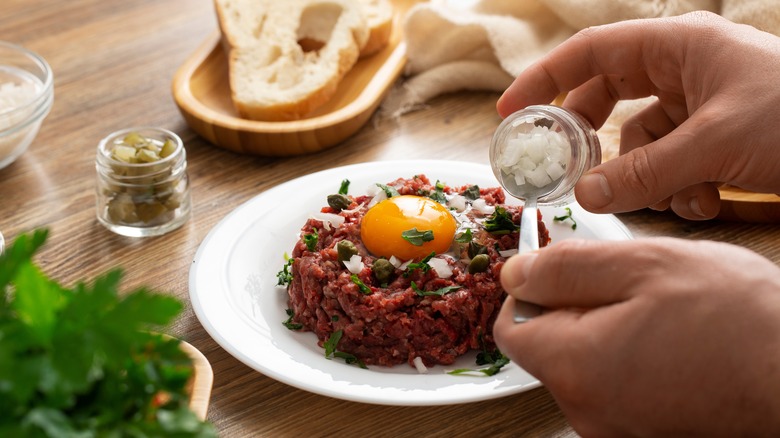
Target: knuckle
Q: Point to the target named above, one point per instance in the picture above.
(637, 173)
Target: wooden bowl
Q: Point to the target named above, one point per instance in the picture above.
(202, 92)
(201, 382)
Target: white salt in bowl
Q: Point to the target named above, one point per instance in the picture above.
(26, 96)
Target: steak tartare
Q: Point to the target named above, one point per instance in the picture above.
(388, 311)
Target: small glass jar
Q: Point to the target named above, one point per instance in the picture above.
(142, 184)
(584, 147)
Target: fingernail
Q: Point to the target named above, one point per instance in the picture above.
(593, 190)
(517, 270)
(695, 207)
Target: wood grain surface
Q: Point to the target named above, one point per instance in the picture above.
(113, 64)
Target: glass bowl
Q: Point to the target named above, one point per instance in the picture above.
(26, 96)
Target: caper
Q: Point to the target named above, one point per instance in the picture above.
(476, 249)
(346, 250)
(382, 270)
(168, 148)
(339, 202)
(479, 263)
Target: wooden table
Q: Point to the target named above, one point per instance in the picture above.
(113, 63)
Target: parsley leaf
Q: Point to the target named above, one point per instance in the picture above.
(495, 359)
(331, 351)
(311, 240)
(438, 194)
(439, 292)
(365, 290)
(471, 193)
(289, 321)
(464, 237)
(285, 277)
(566, 216)
(390, 191)
(344, 189)
(500, 222)
(417, 237)
(421, 265)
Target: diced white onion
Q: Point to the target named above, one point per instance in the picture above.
(441, 267)
(507, 252)
(538, 157)
(394, 261)
(329, 219)
(354, 264)
(418, 363)
(405, 264)
(379, 197)
(354, 210)
(481, 206)
(458, 202)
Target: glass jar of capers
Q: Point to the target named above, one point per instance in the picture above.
(142, 184)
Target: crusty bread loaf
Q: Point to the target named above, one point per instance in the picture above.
(286, 58)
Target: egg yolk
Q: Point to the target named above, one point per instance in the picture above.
(383, 226)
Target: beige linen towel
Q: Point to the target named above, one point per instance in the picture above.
(483, 44)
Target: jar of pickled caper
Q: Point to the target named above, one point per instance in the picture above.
(142, 184)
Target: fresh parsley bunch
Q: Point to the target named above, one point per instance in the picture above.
(85, 362)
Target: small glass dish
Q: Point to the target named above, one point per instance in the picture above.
(142, 184)
(26, 96)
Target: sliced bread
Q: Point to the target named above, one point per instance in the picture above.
(379, 16)
(286, 58)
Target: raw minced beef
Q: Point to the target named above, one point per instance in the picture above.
(392, 324)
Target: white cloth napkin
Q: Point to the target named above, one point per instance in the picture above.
(483, 44)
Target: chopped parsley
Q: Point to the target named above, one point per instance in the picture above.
(494, 359)
(438, 292)
(365, 290)
(421, 265)
(289, 322)
(344, 189)
(311, 240)
(565, 217)
(438, 194)
(390, 191)
(284, 277)
(500, 222)
(417, 237)
(471, 193)
(464, 237)
(331, 351)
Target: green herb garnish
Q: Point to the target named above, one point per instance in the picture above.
(417, 237)
(389, 190)
(331, 351)
(344, 187)
(495, 359)
(87, 360)
(421, 265)
(500, 222)
(361, 286)
(464, 237)
(289, 322)
(285, 277)
(565, 217)
(311, 240)
(471, 193)
(438, 194)
(438, 292)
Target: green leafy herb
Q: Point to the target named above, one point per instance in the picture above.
(389, 190)
(565, 217)
(417, 237)
(438, 292)
(285, 277)
(361, 286)
(471, 193)
(438, 194)
(421, 265)
(494, 359)
(87, 360)
(289, 322)
(311, 240)
(464, 237)
(331, 351)
(500, 222)
(344, 189)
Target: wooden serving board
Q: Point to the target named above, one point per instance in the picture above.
(744, 206)
(202, 380)
(202, 92)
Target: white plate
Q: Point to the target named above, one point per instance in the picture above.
(234, 293)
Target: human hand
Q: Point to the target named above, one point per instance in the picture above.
(650, 337)
(715, 120)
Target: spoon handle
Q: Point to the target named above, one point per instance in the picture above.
(529, 241)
